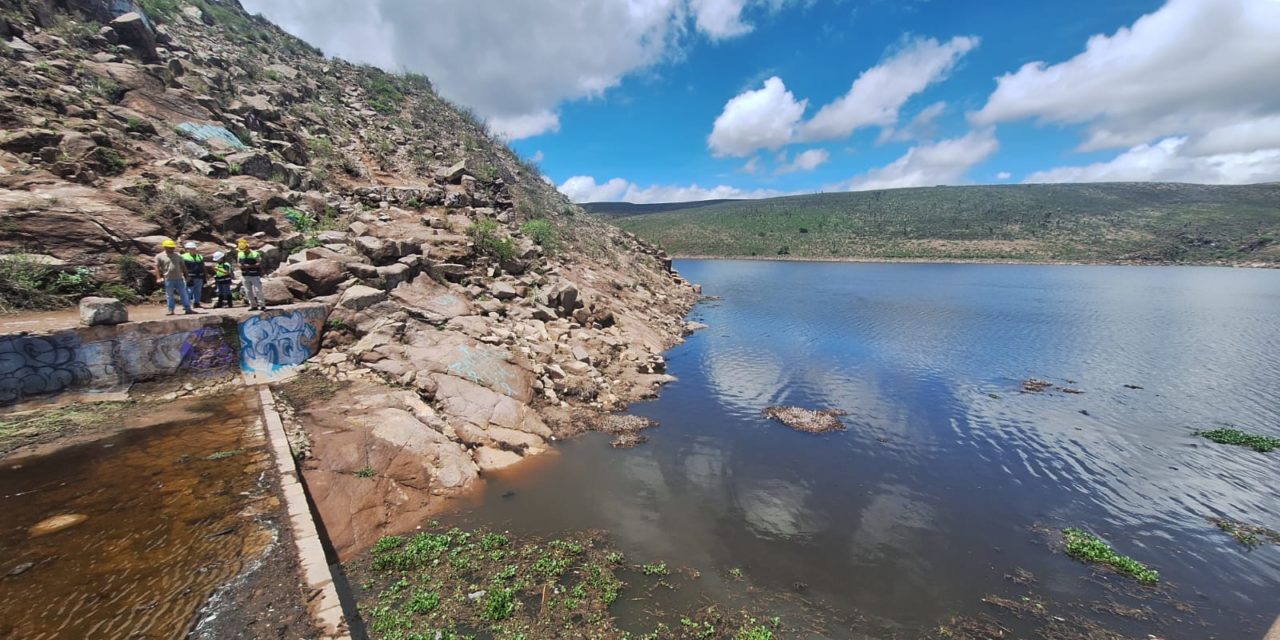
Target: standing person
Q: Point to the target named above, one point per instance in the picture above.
(171, 270)
(196, 271)
(251, 272)
(222, 271)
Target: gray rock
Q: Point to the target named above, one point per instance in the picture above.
(135, 33)
(503, 291)
(276, 292)
(360, 297)
(321, 277)
(453, 174)
(250, 163)
(96, 311)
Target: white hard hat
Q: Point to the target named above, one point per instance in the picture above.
(189, 245)
(217, 255)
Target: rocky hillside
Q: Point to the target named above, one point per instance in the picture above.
(456, 273)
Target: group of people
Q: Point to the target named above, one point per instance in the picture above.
(184, 275)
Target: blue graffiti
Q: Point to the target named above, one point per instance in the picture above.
(35, 365)
(269, 344)
(484, 366)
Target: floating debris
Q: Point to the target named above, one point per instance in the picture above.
(808, 420)
(1249, 535)
(1036, 385)
(628, 440)
(1071, 390)
(1132, 386)
(625, 429)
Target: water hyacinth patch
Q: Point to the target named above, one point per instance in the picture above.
(1259, 443)
(1087, 547)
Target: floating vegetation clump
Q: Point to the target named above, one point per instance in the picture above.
(807, 420)
(1249, 535)
(459, 584)
(1087, 547)
(1259, 443)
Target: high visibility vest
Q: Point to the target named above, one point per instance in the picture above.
(222, 271)
(195, 264)
(250, 263)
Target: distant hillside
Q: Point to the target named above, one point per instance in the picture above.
(623, 209)
(1116, 222)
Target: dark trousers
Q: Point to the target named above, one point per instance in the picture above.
(224, 293)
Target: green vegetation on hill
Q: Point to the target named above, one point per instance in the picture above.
(1115, 222)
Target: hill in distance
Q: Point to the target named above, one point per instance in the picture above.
(1107, 222)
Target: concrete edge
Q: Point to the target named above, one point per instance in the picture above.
(1274, 633)
(325, 605)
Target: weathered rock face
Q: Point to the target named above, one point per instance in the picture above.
(462, 357)
(96, 311)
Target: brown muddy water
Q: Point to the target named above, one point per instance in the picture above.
(165, 512)
(945, 494)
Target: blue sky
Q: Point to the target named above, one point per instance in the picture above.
(660, 100)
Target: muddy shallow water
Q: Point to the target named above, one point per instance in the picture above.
(949, 472)
(167, 517)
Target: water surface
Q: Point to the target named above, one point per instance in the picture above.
(935, 493)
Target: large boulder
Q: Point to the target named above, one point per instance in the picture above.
(133, 31)
(431, 300)
(321, 277)
(96, 311)
(29, 140)
(360, 297)
(251, 163)
(276, 292)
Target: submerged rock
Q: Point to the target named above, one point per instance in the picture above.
(808, 420)
(1036, 385)
(57, 523)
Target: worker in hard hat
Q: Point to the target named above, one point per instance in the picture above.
(196, 271)
(222, 273)
(173, 273)
(251, 274)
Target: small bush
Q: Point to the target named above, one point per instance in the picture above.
(542, 232)
(500, 604)
(120, 292)
(25, 283)
(485, 234)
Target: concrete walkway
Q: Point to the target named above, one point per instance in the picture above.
(46, 321)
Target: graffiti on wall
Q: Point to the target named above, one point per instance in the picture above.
(207, 352)
(269, 344)
(35, 365)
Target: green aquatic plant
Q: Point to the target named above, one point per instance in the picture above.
(655, 569)
(1087, 547)
(1249, 535)
(223, 455)
(1259, 443)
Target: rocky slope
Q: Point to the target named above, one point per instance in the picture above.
(476, 313)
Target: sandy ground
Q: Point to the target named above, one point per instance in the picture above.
(45, 321)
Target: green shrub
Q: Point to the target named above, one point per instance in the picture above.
(542, 232)
(500, 604)
(120, 292)
(485, 234)
(25, 284)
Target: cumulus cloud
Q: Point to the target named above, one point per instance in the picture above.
(586, 189)
(513, 62)
(806, 161)
(925, 165)
(879, 93)
(770, 117)
(1187, 68)
(765, 118)
(922, 127)
(1172, 160)
(1004, 175)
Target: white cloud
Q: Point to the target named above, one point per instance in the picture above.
(771, 117)
(879, 93)
(586, 189)
(922, 127)
(513, 62)
(752, 167)
(765, 118)
(925, 165)
(1172, 160)
(538, 157)
(1004, 175)
(1191, 67)
(806, 161)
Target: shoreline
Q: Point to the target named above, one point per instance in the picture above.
(993, 261)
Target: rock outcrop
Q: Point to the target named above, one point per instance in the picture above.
(467, 344)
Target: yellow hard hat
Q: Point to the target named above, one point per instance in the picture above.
(169, 244)
(243, 244)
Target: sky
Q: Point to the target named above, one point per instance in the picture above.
(677, 100)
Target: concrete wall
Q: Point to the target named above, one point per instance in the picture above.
(262, 347)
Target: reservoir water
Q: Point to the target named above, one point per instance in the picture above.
(951, 481)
